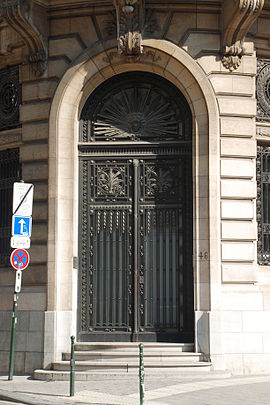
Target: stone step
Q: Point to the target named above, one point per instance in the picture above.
(122, 365)
(128, 355)
(86, 346)
(119, 358)
(184, 374)
(201, 368)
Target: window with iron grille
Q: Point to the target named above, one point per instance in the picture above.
(263, 203)
(10, 98)
(10, 171)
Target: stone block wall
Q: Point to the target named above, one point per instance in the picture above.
(239, 301)
(29, 345)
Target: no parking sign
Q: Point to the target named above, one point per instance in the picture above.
(19, 259)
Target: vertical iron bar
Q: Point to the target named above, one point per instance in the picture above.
(121, 246)
(141, 375)
(135, 248)
(72, 367)
(114, 271)
(13, 336)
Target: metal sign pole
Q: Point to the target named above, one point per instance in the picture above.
(19, 259)
(13, 336)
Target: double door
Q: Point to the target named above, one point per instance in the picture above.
(136, 248)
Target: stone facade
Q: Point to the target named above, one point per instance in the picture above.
(212, 59)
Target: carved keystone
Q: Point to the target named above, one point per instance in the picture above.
(130, 22)
(20, 15)
(237, 18)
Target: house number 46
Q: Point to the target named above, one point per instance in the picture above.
(203, 255)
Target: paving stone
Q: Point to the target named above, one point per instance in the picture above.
(211, 389)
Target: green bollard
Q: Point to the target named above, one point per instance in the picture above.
(141, 375)
(13, 337)
(72, 368)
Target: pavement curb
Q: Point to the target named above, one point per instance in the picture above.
(6, 397)
(29, 399)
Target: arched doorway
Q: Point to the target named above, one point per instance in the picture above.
(135, 228)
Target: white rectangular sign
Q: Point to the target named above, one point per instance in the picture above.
(18, 281)
(23, 199)
(20, 242)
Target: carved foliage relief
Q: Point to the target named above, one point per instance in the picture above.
(130, 21)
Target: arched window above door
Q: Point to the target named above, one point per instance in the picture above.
(136, 107)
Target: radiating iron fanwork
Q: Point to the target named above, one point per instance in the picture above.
(10, 171)
(136, 110)
(136, 214)
(10, 98)
(263, 204)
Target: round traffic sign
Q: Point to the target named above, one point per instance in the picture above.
(19, 259)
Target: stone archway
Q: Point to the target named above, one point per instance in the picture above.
(92, 68)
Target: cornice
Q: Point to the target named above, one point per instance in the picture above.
(104, 4)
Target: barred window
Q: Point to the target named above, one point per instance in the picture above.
(263, 203)
(10, 98)
(10, 171)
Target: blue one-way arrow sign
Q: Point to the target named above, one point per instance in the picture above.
(21, 226)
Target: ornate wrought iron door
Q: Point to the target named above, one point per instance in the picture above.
(136, 215)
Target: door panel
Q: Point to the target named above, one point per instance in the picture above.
(161, 250)
(132, 249)
(111, 294)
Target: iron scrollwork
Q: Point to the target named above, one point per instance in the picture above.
(263, 206)
(84, 320)
(10, 98)
(111, 181)
(136, 110)
(133, 215)
(159, 181)
(263, 90)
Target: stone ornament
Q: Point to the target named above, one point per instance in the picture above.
(20, 15)
(263, 90)
(237, 17)
(130, 21)
(232, 56)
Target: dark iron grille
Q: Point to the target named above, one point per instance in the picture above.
(160, 270)
(263, 203)
(140, 109)
(10, 98)
(161, 245)
(10, 171)
(136, 278)
(107, 254)
(164, 242)
(110, 300)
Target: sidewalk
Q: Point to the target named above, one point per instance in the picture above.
(208, 389)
